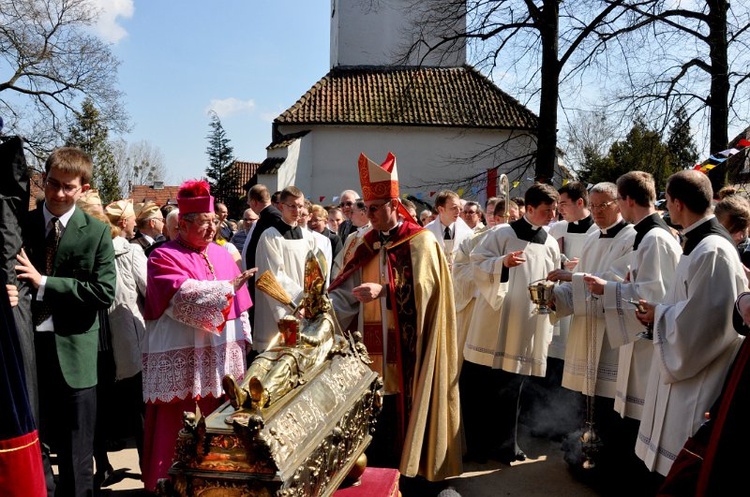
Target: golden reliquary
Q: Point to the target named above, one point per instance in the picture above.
(300, 420)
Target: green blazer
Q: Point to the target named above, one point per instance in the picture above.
(81, 284)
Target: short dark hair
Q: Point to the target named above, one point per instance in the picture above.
(259, 193)
(443, 196)
(639, 186)
(692, 188)
(473, 203)
(71, 160)
(500, 207)
(538, 194)
(290, 191)
(575, 190)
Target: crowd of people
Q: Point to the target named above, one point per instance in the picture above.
(138, 311)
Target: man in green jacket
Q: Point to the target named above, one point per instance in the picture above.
(68, 263)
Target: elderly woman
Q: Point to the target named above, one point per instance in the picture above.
(126, 323)
(196, 327)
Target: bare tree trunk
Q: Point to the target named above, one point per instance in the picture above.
(719, 97)
(548, 23)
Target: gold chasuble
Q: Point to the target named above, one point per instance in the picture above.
(416, 351)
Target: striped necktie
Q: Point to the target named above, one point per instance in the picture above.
(50, 247)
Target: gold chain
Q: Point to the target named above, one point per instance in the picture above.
(203, 253)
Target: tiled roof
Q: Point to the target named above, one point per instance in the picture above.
(245, 172)
(162, 196)
(270, 165)
(283, 141)
(428, 96)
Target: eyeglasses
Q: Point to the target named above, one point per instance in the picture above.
(374, 208)
(294, 207)
(471, 213)
(205, 224)
(248, 219)
(350, 203)
(55, 185)
(601, 207)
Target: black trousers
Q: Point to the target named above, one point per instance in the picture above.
(490, 405)
(67, 422)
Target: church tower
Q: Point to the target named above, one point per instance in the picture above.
(380, 32)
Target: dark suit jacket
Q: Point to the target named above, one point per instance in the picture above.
(336, 244)
(345, 229)
(268, 217)
(81, 284)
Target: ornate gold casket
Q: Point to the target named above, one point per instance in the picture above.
(305, 443)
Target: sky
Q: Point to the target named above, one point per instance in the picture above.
(247, 60)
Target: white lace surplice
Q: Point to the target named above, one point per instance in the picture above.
(186, 354)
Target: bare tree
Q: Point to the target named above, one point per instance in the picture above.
(50, 63)
(536, 46)
(673, 55)
(589, 132)
(139, 163)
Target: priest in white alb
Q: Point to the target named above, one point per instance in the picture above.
(653, 260)
(590, 359)
(508, 340)
(694, 340)
(282, 250)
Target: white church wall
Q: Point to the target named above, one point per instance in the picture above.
(425, 156)
(379, 34)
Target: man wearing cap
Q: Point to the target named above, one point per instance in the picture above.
(150, 223)
(122, 215)
(399, 285)
(68, 264)
(196, 327)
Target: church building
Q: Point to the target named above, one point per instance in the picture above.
(448, 125)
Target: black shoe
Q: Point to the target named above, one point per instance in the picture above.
(104, 478)
(508, 455)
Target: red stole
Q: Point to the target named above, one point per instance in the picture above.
(402, 335)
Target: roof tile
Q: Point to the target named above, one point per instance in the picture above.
(427, 96)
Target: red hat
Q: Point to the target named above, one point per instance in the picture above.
(379, 182)
(195, 196)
